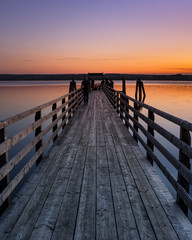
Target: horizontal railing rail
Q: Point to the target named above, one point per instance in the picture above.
(59, 111)
(130, 112)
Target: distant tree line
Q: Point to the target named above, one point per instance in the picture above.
(112, 76)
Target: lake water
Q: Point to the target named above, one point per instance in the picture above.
(16, 97)
(171, 97)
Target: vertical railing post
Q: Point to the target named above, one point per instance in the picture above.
(116, 97)
(127, 110)
(54, 106)
(69, 104)
(81, 94)
(74, 107)
(123, 98)
(121, 107)
(77, 100)
(37, 132)
(111, 96)
(114, 102)
(73, 102)
(78, 97)
(185, 160)
(3, 160)
(63, 110)
(151, 131)
(134, 125)
(118, 105)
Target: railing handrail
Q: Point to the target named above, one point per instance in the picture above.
(121, 103)
(62, 109)
(179, 121)
(20, 116)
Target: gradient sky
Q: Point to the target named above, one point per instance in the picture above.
(111, 36)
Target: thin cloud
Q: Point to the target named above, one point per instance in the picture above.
(186, 69)
(29, 60)
(107, 59)
(69, 59)
(118, 58)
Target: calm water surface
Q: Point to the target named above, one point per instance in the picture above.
(16, 97)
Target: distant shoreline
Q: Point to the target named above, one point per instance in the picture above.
(113, 76)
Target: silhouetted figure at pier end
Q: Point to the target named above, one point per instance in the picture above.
(86, 85)
(107, 82)
(92, 84)
(72, 86)
(102, 83)
(140, 86)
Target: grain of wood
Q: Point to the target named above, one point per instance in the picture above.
(125, 220)
(30, 214)
(173, 211)
(86, 219)
(161, 225)
(144, 225)
(96, 185)
(105, 216)
(65, 225)
(46, 222)
(12, 214)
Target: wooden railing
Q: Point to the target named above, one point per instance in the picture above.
(57, 114)
(129, 111)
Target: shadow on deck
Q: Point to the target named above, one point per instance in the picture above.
(95, 184)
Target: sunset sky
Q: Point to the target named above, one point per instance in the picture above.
(110, 36)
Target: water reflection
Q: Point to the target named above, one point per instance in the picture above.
(174, 99)
(17, 99)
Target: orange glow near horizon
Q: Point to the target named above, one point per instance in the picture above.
(121, 37)
(145, 65)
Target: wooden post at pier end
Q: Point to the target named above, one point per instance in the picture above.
(3, 160)
(185, 160)
(123, 86)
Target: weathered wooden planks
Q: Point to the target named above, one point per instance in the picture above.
(138, 121)
(96, 185)
(86, 217)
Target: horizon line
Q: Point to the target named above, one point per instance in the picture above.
(188, 74)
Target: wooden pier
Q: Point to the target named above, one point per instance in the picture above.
(95, 184)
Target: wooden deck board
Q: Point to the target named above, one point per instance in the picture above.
(65, 225)
(47, 219)
(86, 219)
(126, 225)
(105, 216)
(144, 225)
(161, 225)
(95, 184)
